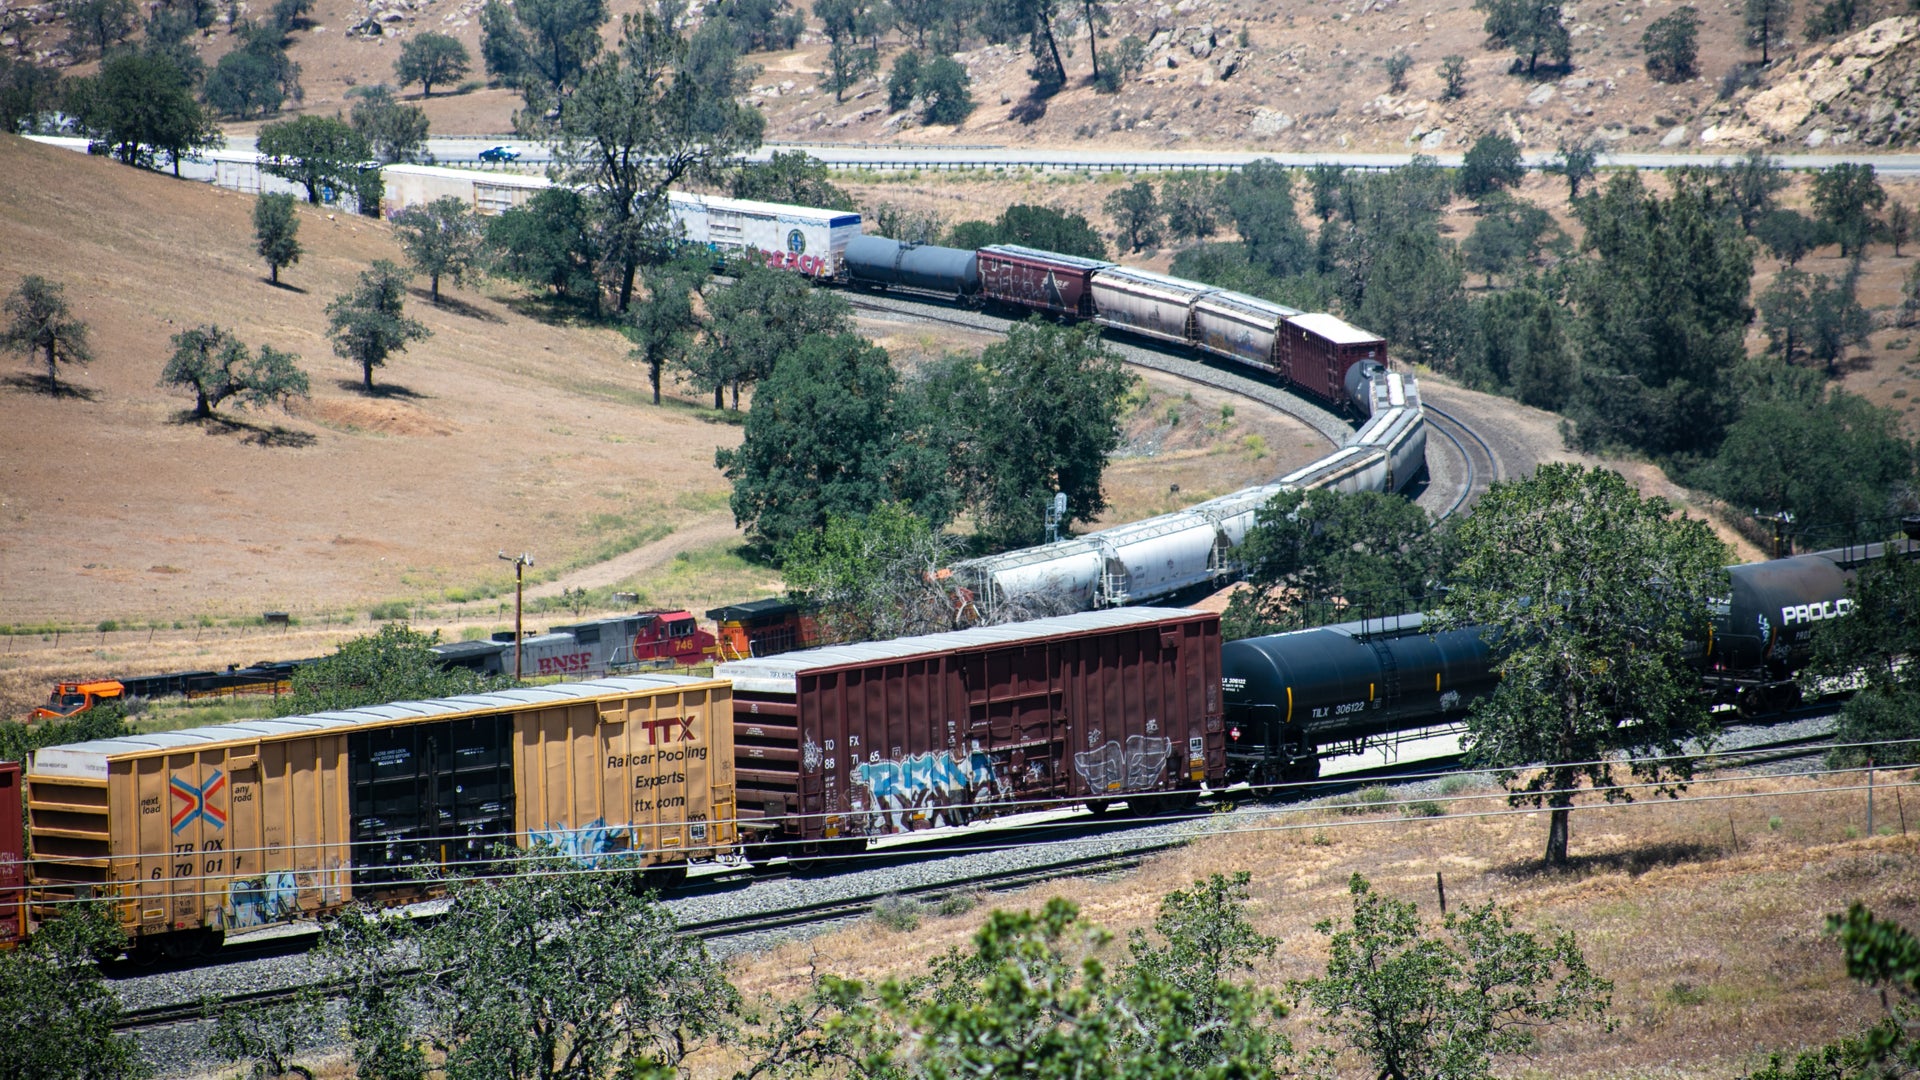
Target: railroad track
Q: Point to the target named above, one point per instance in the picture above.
(1482, 467)
(837, 910)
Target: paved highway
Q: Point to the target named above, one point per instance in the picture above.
(466, 151)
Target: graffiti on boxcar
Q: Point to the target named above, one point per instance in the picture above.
(936, 786)
(587, 844)
(1137, 767)
(259, 901)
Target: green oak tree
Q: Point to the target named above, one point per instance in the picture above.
(1322, 556)
(1050, 410)
(394, 131)
(431, 58)
(1575, 160)
(140, 105)
(947, 89)
(848, 25)
(1790, 235)
(1846, 196)
(59, 1009)
(1421, 1006)
(1491, 164)
(42, 327)
(1836, 462)
(765, 315)
(662, 324)
(1259, 199)
(1192, 205)
(216, 366)
(94, 27)
(1531, 28)
(316, 152)
(1592, 593)
(367, 325)
(549, 242)
(243, 84)
(1137, 215)
(276, 227)
(820, 441)
(542, 48)
(794, 177)
(873, 576)
(441, 239)
(660, 109)
(1672, 45)
(394, 663)
(1204, 947)
(548, 973)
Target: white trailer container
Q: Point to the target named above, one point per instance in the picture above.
(1240, 327)
(799, 238)
(1147, 303)
(486, 193)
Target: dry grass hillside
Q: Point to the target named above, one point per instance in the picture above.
(501, 431)
(1706, 914)
(1248, 73)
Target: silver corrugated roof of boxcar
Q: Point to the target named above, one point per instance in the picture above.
(282, 726)
(769, 672)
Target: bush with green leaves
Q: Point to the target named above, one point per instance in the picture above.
(1491, 164)
(1672, 45)
(394, 663)
(320, 153)
(442, 240)
(57, 1010)
(1421, 1006)
(43, 328)
(276, 228)
(368, 325)
(431, 57)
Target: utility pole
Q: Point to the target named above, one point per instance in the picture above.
(520, 563)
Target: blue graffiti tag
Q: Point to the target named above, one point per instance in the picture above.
(933, 785)
(589, 843)
(262, 900)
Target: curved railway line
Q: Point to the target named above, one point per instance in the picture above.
(1472, 464)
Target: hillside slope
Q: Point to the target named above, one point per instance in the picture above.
(499, 432)
(1245, 73)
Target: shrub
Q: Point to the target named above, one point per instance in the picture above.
(897, 913)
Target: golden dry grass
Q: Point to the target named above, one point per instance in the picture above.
(1715, 947)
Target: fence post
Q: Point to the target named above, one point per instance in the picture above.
(1440, 885)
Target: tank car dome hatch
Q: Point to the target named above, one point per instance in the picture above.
(1910, 525)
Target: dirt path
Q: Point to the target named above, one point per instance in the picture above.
(702, 533)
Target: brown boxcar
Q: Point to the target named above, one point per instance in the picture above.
(893, 736)
(1038, 280)
(1319, 349)
(260, 821)
(13, 858)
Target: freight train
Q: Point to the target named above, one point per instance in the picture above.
(189, 834)
(193, 833)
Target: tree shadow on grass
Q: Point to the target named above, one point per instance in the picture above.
(1033, 108)
(380, 390)
(268, 435)
(1633, 861)
(283, 285)
(457, 306)
(555, 311)
(39, 384)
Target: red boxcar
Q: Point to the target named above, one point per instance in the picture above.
(13, 858)
(1038, 280)
(1316, 350)
(893, 736)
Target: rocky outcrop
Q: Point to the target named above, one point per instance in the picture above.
(1863, 89)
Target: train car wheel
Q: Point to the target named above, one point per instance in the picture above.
(1098, 807)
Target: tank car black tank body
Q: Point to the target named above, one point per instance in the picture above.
(1289, 695)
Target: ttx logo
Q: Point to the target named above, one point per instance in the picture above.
(668, 729)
